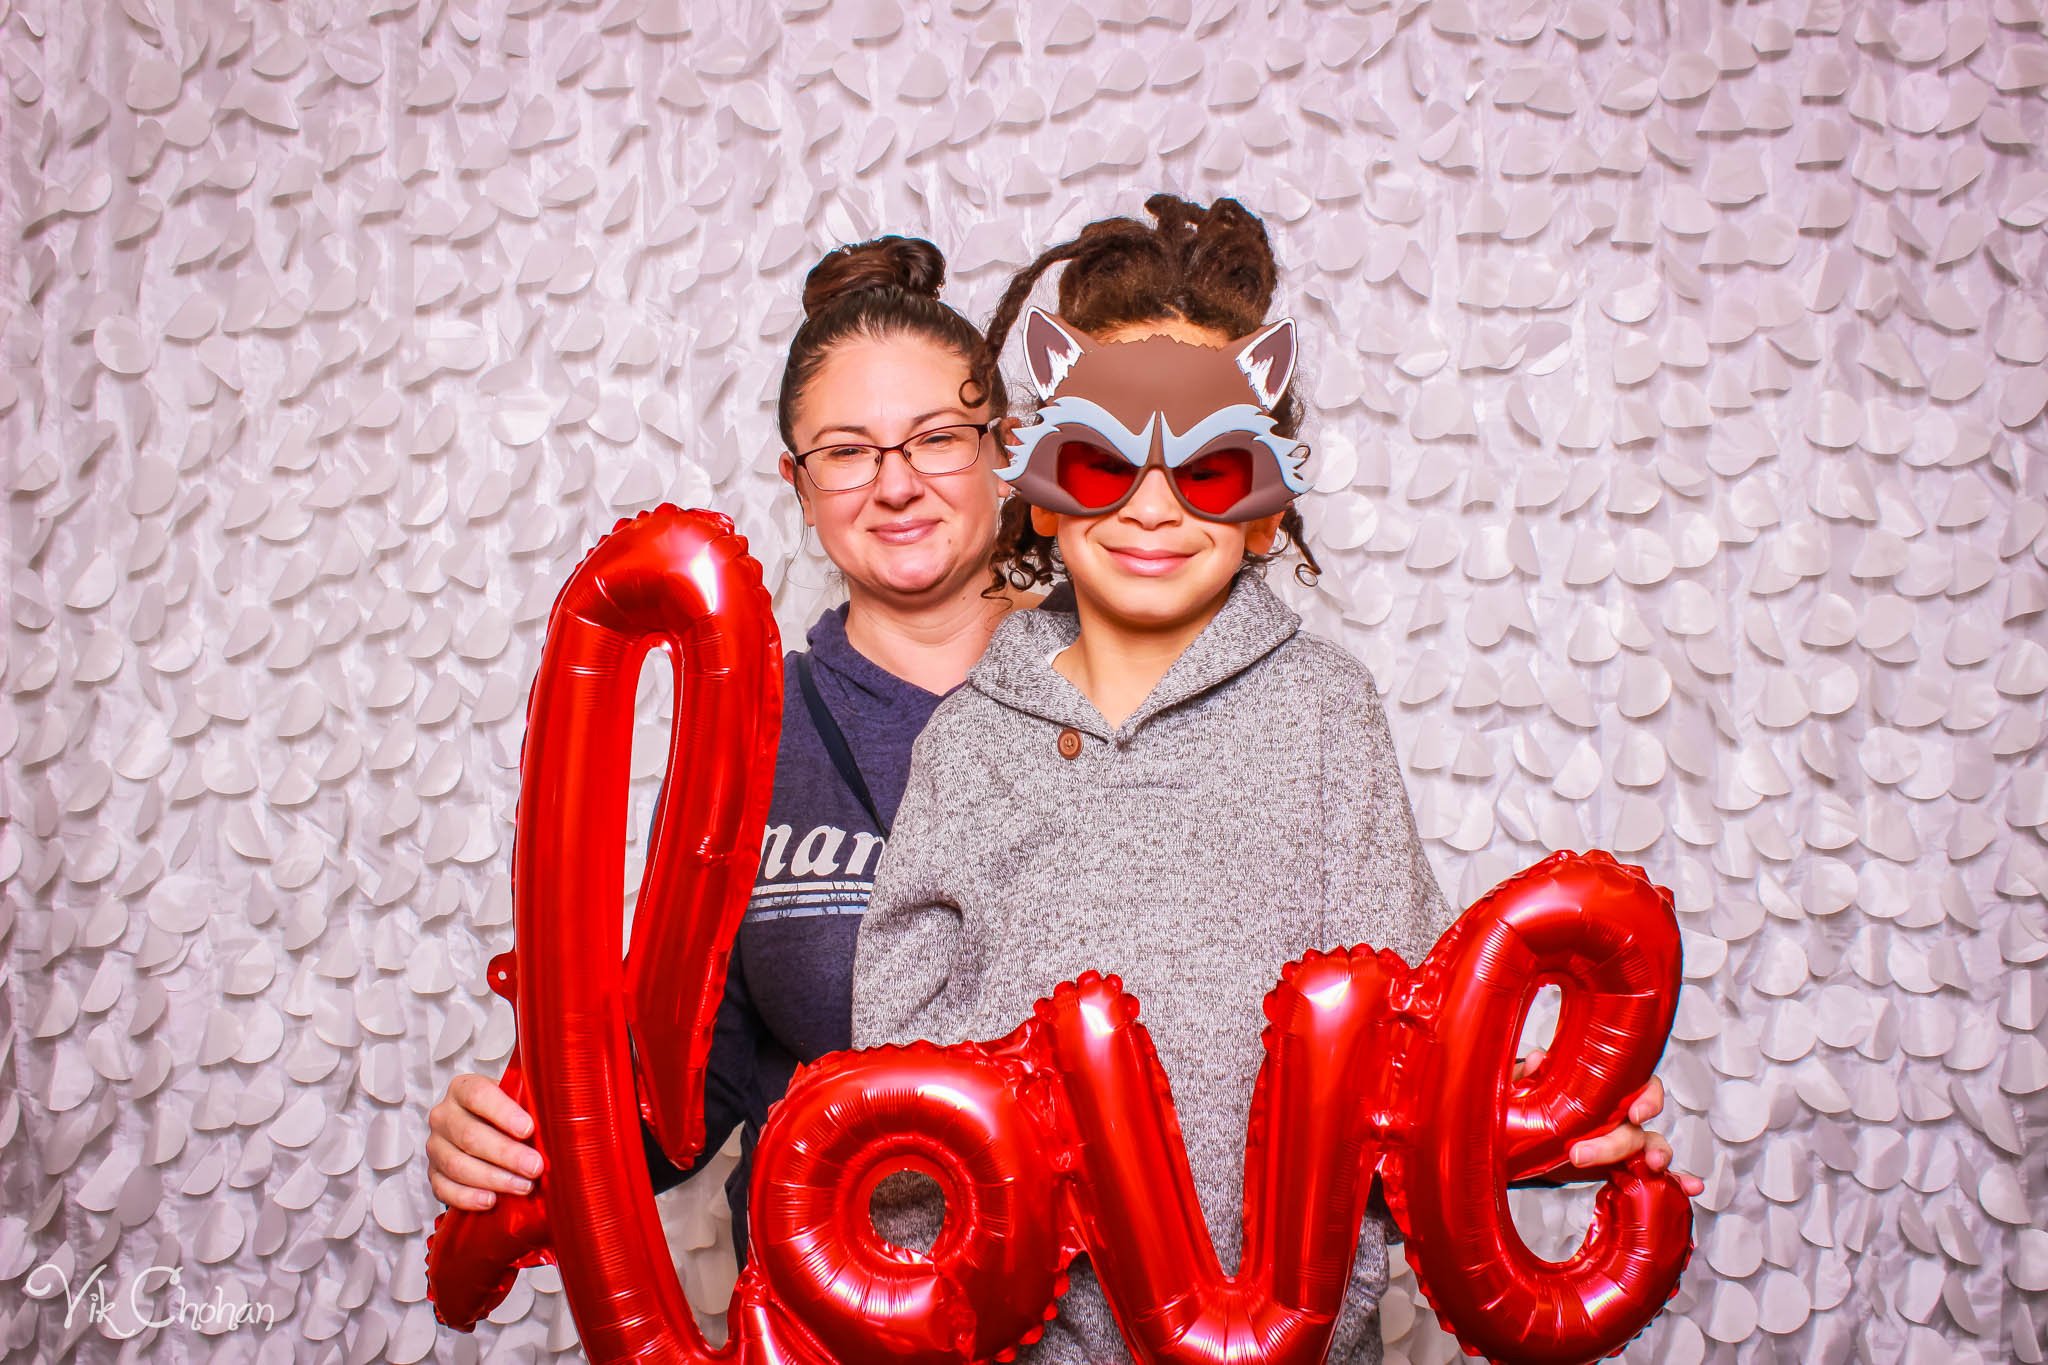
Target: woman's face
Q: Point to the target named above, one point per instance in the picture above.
(1151, 564)
(906, 535)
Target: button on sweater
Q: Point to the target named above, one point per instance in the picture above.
(1251, 808)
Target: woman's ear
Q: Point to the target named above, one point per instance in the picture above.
(786, 466)
(1259, 535)
(1045, 523)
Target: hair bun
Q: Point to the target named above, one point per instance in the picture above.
(908, 263)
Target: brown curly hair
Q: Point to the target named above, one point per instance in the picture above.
(1212, 267)
(880, 288)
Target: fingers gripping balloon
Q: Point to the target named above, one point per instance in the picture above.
(1058, 1139)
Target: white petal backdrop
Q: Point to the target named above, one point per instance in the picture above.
(1678, 379)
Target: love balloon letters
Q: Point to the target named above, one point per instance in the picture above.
(1056, 1141)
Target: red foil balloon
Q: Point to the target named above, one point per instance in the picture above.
(961, 1115)
(588, 1024)
(1371, 1068)
(1058, 1139)
(1603, 934)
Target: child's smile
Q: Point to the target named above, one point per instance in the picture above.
(1151, 562)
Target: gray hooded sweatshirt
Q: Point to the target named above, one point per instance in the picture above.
(1251, 808)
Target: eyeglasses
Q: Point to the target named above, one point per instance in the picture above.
(1101, 481)
(937, 450)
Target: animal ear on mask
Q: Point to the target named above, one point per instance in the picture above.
(1050, 350)
(1267, 360)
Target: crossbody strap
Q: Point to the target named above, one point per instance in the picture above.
(835, 742)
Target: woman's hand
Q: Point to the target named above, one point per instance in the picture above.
(476, 1147)
(1623, 1141)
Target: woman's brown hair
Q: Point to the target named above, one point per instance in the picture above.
(885, 287)
(1211, 267)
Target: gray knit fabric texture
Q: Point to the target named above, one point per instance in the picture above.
(1252, 808)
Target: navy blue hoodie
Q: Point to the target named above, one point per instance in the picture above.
(789, 991)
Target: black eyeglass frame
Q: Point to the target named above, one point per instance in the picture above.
(881, 453)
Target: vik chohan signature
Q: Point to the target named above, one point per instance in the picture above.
(144, 1302)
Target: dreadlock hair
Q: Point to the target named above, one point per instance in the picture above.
(1210, 267)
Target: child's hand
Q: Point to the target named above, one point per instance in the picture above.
(1620, 1143)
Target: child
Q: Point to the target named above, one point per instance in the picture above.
(1172, 782)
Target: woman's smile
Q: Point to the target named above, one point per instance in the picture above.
(904, 531)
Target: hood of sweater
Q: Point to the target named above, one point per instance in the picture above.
(865, 682)
(1017, 669)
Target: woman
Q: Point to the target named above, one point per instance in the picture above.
(885, 406)
(1241, 798)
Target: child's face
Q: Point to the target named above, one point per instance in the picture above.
(1151, 564)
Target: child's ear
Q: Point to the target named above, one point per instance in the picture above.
(1045, 523)
(1050, 350)
(1259, 535)
(1267, 359)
